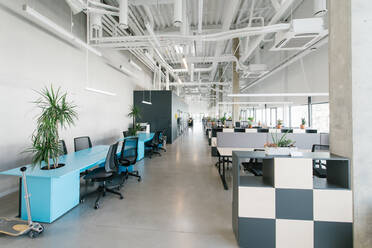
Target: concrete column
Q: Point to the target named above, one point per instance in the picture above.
(350, 56)
(235, 82)
(220, 93)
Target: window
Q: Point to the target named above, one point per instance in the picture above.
(272, 117)
(298, 112)
(321, 117)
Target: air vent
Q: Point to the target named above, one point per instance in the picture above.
(303, 33)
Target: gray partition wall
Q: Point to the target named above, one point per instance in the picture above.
(161, 113)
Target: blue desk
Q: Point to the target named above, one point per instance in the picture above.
(54, 192)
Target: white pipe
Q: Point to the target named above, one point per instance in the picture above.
(192, 73)
(177, 18)
(283, 9)
(207, 69)
(320, 8)
(278, 94)
(150, 17)
(58, 29)
(200, 17)
(123, 13)
(167, 81)
(193, 84)
(255, 103)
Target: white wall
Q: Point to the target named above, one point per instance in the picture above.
(31, 58)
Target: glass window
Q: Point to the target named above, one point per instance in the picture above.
(298, 112)
(279, 115)
(272, 117)
(321, 117)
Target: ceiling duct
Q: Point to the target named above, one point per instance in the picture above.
(177, 19)
(320, 8)
(255, 71)
(123, 14)
(302, 33)
(76, 6)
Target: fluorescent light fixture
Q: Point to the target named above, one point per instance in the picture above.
(134, 64)
(254, 103)
(58, 29)
(100, 91)
(278, 94)
(184, 62)
(146, 102)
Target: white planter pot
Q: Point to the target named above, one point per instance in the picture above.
(281, 151)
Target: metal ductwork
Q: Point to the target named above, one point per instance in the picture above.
(76, 6)
(177, 19)
(123, 13)
(320, 8)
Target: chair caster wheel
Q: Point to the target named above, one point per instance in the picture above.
(82, 200)
(139, 179)
(121, 197)
(96, 206)
(33, 234)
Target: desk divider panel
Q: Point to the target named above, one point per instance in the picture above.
(242, 140)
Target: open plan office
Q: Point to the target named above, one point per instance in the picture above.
(185, 123)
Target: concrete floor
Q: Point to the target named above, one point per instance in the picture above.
(179, 203)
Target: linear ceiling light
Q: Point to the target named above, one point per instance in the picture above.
(177, 18)
(58, 29)
(254, 103)
(100, 91)
(278, 94)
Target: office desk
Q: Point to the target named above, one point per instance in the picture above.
(224, 153)
(142, 139)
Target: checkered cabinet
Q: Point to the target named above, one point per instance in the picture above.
(289, 208)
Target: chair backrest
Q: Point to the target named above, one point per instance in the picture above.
(262, 130)
(156, 138)
(126, 143)
(287, 130)
(126, 134)
(82, 143)
(111, 163)
(311, 131)
(62, 147)
(317, 147)
(237, 124)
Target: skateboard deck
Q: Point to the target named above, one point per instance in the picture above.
(13, 227)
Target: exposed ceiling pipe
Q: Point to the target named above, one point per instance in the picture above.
(193, 84)
(227, 20)
(123, 13)
(207, 69)
(320, 8)
(287, 62)
(76, 6)
(177, 18)
(150, 17)
(285, 6)
(200, 17)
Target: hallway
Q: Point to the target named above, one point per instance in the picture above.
(179, 203)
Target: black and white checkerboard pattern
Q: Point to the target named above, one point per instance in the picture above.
(294, 214)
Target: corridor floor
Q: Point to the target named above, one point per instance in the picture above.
(179, 203)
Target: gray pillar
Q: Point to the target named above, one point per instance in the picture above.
(236, 89)
(309, 112)
(350, 53)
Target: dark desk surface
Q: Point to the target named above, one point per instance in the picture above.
(312, 155)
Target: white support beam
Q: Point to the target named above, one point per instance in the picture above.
(276, 5)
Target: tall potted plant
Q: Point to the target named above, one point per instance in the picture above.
(135, 114)
(56, 113)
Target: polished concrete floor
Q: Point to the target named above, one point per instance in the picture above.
(179, 203)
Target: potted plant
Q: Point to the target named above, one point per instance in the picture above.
(280, 145)
(250, 122)
(134, 113)
(303, 123)
(279, 124)
(223, 119)
(56, 113)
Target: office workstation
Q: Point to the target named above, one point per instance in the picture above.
(185, 123)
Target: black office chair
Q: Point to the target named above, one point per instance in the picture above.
(153, 145)
(126, 134)
(62, 147)
(262, 130)
(286, 130)
(105, 174)
(82, 143)
(319, 168)
(239, 130)
(128, 160)
(311, 131)
(163, 141)
(237, 124)
(254, 166)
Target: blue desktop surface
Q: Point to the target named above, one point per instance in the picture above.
(76, 161)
